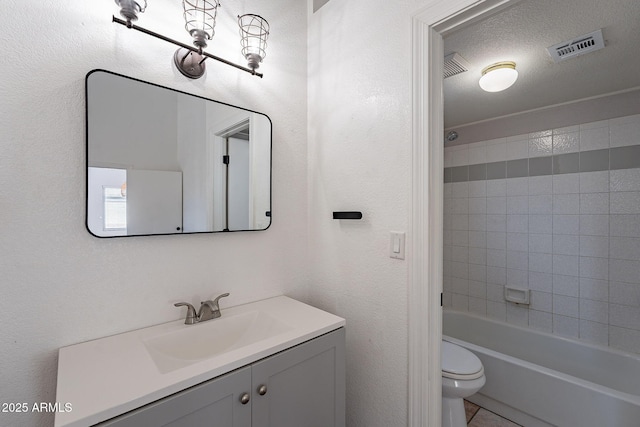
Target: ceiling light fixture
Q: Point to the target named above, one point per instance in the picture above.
(200, 21)
(499, 76)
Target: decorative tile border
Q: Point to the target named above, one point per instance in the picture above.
(585, 161)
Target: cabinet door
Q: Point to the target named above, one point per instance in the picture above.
(215, 403)
(305, 385)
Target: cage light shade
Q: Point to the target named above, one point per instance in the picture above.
(499, 76)
(129, 9)
(200, 20)
(254, 31)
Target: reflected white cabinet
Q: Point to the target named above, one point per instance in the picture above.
(303, 386)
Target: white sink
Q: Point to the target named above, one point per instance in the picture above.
(193, 343)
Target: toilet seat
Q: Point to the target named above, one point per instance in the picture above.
(458, 363)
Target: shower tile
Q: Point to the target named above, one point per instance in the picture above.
(517, 168)
(594, 246)
(497, 170)
(477, 222)
(540, 166)
(566, 265)
(566, 184)
(541, 243)
(594, 311)
(497, 311)
(496, 222)
(460, 189)
(517, 278)
(517, 205)
(594, 289)
(540, 145)
(496, 276)
(541, 301)
(567, 129)
(566, 143)
(478, 256)
(594, 160)
(566, 326)
(460, 237)
(517, 242)
(567, 204)
(448, 157)
(460, 157)
(459, 222)
(478, 172)
(624, 339)
(625, 131)
(478, 205)
(477, 273)
(625, 248)
(447, 300)
(496, 258)
(625, 157)
(542, 263)
(517, 315)
(566, 285)
(540, 223)
(625, 225)
(594, 182)
(540, 205)
(496, 150)
(495, 292)
(460, 286)
(594, 203)
(460, 302)
(566, 244)
(496, 205)
(627, 202)
(518, 187)
(460, 174)
(542, 282)
(594, 138)
(517, 259)
(478, 189)
(478, 306)
(622, 270)
(460, 206)
(477, 153)
(541, 321)
(477, 239)
(594, 333)
(594, 268)
(624, 316)
(460, 254)
(478, 289)
(539, 185)
(447, 190)
(517, 148)
(566, 224)
(518, 223)
(459, 270)
(594, 225)
(624, 180)
(496, 240)
(497, 188)
(447, 175)
(566, 163)
(625, 293)
(566, 306)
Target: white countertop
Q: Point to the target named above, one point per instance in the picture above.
(107, 377)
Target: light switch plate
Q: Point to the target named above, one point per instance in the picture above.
(396, 245)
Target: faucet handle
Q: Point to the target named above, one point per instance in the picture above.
(191, 313)
(210, 309)
(215, 301)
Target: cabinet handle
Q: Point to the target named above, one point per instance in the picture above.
(244, 399)
(262, 390)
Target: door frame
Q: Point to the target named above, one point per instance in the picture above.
(429, 25)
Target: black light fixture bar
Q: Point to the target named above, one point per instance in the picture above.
(129, 24)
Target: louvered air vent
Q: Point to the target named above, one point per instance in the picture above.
(578, 46)
(454, 64)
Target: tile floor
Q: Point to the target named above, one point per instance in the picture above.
(480, 417)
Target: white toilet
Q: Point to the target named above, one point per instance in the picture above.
(462, 376)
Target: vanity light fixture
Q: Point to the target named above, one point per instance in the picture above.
(499, 76)
(200, 21)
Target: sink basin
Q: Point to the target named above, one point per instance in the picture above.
(193, 343)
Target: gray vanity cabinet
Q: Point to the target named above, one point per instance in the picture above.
(303, 386)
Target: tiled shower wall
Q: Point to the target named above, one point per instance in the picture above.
(556, 212)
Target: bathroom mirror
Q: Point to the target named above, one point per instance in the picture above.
(161, 161)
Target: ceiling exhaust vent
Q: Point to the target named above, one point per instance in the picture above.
(578, 46)
(454, 64)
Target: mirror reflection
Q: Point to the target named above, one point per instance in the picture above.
(160, 161)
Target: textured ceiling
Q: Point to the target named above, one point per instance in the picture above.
(522, 33)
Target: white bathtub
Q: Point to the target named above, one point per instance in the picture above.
(539, 379)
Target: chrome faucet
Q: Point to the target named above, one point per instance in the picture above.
(208, 310)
